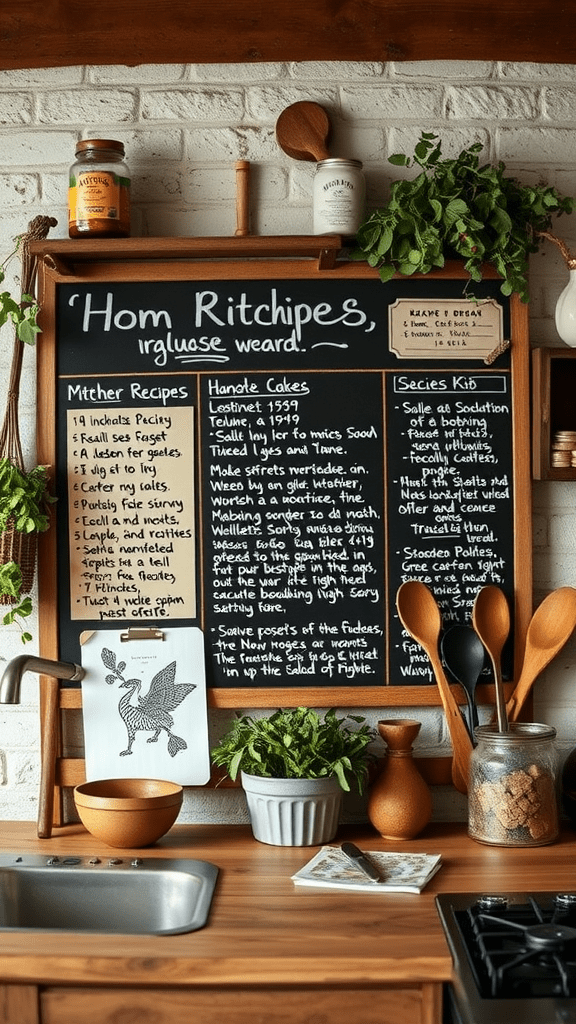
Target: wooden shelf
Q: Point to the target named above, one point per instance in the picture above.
(52, 34)
(553, 407)
(60, 772)
(65, 254)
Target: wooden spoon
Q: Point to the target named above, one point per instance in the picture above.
(302, 131)
(420, 615)
(550, 627)
(491, 620)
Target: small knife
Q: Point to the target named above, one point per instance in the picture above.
(361, 861)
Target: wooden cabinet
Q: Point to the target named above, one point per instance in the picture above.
(388, 1004)
(19, 1004)
(378, 1004)
(553, 408)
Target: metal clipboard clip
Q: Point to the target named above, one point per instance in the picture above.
(137, 633)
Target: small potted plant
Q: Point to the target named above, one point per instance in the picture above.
(294, 766)
(457, 209)
(24, 496)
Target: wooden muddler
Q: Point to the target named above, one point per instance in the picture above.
(242, 197)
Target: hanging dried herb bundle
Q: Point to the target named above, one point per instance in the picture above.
(24, 497)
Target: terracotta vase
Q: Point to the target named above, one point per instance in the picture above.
(400, 802)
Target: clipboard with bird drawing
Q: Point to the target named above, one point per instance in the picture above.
(144, 705)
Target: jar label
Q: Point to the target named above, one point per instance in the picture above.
(338, 200)
(94, 195)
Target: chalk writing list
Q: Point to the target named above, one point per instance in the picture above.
(131, 510)
(449, 487)
(293, 513)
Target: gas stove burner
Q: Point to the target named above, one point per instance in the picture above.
(514, 956)
(552, 937)
(492, 903)
(566, 900)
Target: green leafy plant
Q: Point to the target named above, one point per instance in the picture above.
(24, 498)
(11, 585)
(457, 209)
(296, 743)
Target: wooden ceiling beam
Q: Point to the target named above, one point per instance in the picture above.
(58, 33)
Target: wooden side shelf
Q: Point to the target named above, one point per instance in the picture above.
(60, 772)
(553, 407)
(64, 254)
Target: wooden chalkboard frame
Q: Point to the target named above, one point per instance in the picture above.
(252, 259)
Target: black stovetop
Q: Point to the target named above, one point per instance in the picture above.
(514, 956)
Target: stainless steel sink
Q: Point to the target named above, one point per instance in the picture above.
(105, 893)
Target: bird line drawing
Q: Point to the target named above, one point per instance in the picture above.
(149, 712)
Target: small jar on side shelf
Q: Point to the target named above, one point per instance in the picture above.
(99, 191)
(553, 413)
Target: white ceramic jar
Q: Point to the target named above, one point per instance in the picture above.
(565, 313)
(339, 193)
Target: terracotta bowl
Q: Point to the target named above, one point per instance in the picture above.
(128, 812)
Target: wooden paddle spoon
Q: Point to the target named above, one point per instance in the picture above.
(420, 616)
(302, 131)
(491, 620)
(550, 628)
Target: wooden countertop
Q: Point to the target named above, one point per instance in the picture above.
(263, 930)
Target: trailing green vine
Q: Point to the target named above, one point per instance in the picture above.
(10, 585)
(23, 314)
(457, 209)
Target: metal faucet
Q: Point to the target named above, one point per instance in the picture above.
(10, 694)
(15, 669)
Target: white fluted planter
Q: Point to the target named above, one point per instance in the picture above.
(293, 812)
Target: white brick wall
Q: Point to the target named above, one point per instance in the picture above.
(184, 127)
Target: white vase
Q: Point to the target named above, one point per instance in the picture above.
(566, 312)
(293, 812)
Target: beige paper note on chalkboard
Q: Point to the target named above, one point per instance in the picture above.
(144, 705)
(131, 501)
(445, 328)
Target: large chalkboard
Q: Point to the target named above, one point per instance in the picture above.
(267, 450)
